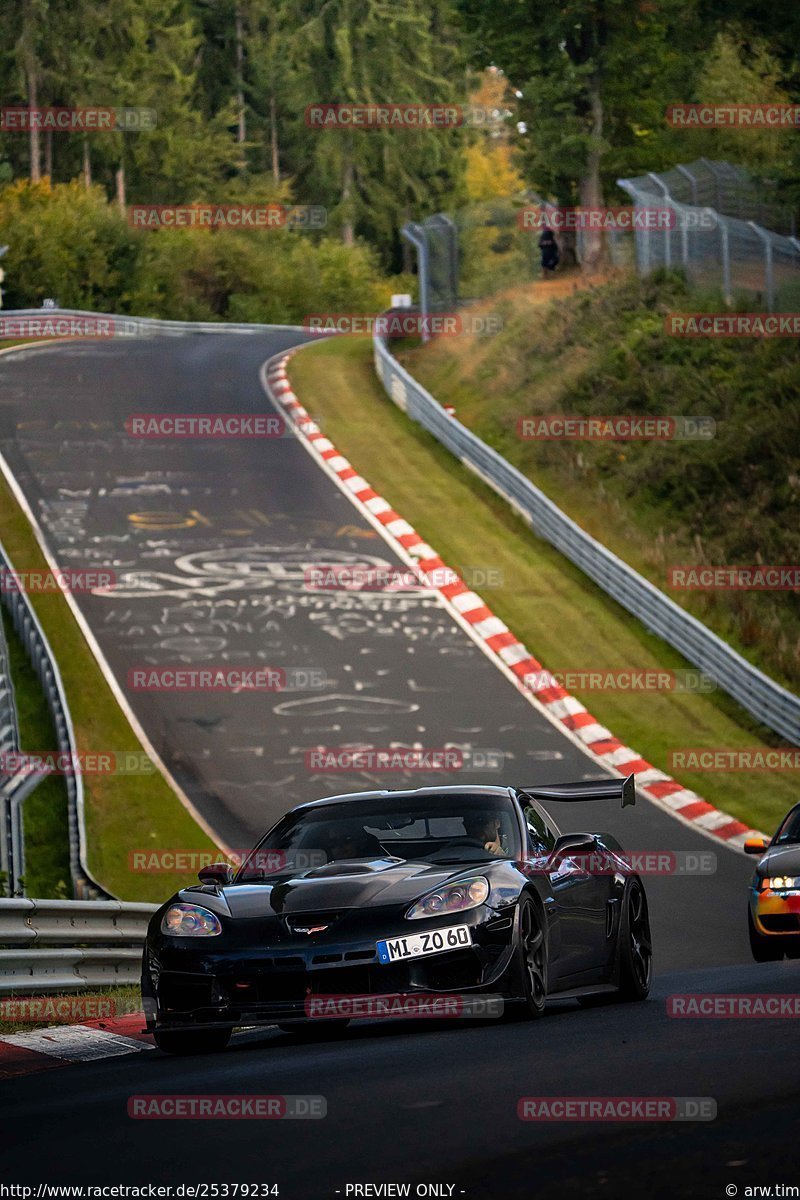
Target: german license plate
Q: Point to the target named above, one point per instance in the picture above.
(417, 945)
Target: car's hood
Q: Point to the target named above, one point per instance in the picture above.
(780, 860)
(354, 884)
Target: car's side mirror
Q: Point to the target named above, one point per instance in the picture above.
(573, 843)
(219, 873)
(755, 845)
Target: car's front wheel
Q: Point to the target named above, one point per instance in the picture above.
(636, 947)
(192, 1041)
(531, 958)
(763, 949)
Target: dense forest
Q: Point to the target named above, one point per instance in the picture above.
(575, 92)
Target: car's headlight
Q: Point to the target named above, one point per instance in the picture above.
(455, 897)
(778, 883)
(190, 920)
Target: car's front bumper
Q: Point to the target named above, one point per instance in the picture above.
(186, 985)
(776, 913)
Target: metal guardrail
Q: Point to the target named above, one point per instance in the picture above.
(761, 696)
(43, 661)
(66, 945)
(144, 326)
(9, 744)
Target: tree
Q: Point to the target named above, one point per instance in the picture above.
(366, 52)
(596, 76)
(490, 169)
(38, 31)
(744, 69)
(148, 58)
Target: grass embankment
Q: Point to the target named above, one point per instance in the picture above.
(123, 812)
(45, 810)
(564, 619)
(109, 1002)
(733, 500)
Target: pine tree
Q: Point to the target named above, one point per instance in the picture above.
(596, 76)
(365, 52)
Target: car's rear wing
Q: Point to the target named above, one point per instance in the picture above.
(587, 789)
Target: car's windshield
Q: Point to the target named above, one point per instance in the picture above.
(789, 832)
(436, 829)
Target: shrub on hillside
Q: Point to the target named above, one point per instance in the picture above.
(72, 244)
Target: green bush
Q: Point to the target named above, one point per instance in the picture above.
(70, 243)
(66, 242)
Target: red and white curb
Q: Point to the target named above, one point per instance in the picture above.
(61, 1045)
(497, 640)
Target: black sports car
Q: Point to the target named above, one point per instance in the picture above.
(774, 912)
(461, 892)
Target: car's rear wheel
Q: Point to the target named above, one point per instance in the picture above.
(309, 1030)
(636, 947)
(531, 958)
(764, 949)
(192, 1041)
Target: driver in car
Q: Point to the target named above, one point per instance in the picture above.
(351, 841)
(484, 827)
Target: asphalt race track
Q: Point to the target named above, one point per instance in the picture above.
(210, 542)
(438, 1105)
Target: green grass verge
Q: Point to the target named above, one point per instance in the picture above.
(44, 812)
(731, 500)
(110, 1002)
(565, 620)
(123, 812)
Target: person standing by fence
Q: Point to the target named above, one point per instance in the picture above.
(548, 247)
